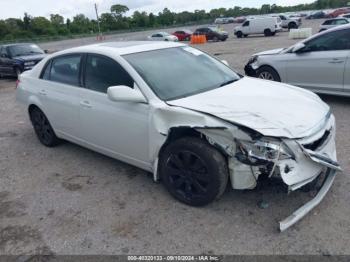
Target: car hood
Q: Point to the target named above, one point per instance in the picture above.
(35, 57)
(271, 108)
(270, 52)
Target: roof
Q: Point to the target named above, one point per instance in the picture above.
(123, 48)
(16, 44)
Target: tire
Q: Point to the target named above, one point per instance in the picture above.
(267, 32)
(193, 172)
(187, 38)
(166, 40)
(239, 34)
(215, 39)
(292, 25)
(43, 128)
(268, 73)
(273, 33)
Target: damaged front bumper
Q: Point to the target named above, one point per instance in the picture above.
(297, 162)
(306, 208)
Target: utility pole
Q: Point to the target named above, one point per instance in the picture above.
(98, 22)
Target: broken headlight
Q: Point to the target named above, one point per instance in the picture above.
(258, 153)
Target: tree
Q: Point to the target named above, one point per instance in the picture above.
(56, 20)
(26, 21)
(42, 26)
(119, 10)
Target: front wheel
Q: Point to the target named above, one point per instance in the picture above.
(239, 34)
(193, 171)
(42, 128)
(267, 32)
(268, 73)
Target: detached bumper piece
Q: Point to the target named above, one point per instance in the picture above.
(302, 211)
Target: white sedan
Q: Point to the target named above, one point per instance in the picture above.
(320, 63)
(330, 23)
(163, 36)
(194, 123)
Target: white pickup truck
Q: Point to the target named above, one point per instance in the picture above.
(289, 22)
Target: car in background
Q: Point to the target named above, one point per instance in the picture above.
(163, 36)
(330, 23)
(16, 58)
(239, 19)
(266, 25)
(347, 15)
(289, 22)
(183, 35)
(195, 124)
(320, 63)
(212, 33)
(316, 15)
(224, 20)
(338, 12)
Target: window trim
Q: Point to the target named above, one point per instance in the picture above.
(83, 77)
(50, 62)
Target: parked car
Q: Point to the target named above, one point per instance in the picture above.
(289, 22)
(347, 15)
(330, 23)
(163, 36)
(224, 20)
(338, 12)
(194, 123)
(320, 63)
(212, 33)
(16, 58)
(316, 15)
(183, 35)
(239, 19)
(268, 26)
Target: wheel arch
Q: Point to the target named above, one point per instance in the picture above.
(176, 133)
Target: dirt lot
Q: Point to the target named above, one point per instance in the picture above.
(69, 200)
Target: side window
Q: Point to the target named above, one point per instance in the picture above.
(246, 23)
(102, 72)
(45, 74)
(338, 40)
(66, 69)
(341, 22)
(328, 22)
(283, 17)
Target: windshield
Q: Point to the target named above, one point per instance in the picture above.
(22, 50)
(179, 72)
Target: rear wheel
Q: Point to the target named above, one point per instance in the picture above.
(268, 73)
(42, 128)
(215, 39)
(267, 32)
(193, 171)
(239, 34)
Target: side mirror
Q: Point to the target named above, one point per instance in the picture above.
(46, 51)
(225, 62)
(298, 47)
(125, 94)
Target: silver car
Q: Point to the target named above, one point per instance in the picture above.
(320, 63)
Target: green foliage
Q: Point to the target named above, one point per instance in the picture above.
(56, 27)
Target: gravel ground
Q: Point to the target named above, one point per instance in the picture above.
(70, 200)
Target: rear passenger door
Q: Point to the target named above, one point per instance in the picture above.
(119, 129)
(59, 93)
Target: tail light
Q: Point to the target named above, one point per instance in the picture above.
(17, 83)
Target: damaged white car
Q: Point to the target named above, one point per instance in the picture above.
(184, 116)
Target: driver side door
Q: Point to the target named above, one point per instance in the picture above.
(320, 64)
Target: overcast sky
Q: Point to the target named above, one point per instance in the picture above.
(69, 8)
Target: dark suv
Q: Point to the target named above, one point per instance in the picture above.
(16, 58)
(212, 33)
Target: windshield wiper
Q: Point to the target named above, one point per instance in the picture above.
(228, 82)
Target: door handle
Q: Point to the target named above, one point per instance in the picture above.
(336, 61)
(42, 92)
(85, 104)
